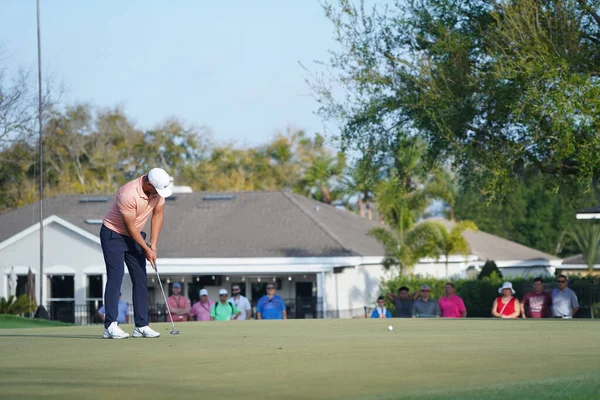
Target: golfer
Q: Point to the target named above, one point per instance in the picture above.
(123, 242)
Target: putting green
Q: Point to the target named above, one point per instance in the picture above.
(309, 359)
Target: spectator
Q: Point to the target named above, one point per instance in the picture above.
(536, 303)
(223, 310)
(241, 303)
(425, 307)
(179, 305)
(123, 314)
(506, 306)
(271, 306)
(380, 311)
(403, 303)
(201, 309)
(564, 300)
(451, 305)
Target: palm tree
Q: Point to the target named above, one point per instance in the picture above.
(320, 169)
(586, 237)
(403, 249)
(446, 243)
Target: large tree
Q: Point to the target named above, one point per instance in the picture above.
(492, 85)
(529, 213)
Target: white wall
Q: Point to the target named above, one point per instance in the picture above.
(438, 270)
(65, 253)
(514, 272)
(354, 288)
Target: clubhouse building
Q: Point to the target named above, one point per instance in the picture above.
(320, 256)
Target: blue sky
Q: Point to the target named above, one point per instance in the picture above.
(230, 65)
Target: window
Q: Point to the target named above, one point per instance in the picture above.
(94, 287)
(94, 298)
(61, 296)
(21, 285)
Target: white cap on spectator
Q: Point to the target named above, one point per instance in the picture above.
(203, 292)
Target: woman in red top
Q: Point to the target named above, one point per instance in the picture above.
(506, 306)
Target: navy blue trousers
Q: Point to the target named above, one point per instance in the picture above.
(119, 250)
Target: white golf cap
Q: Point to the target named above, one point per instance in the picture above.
(203, 292)
(222, 291)
(161, 181)
(506, 285)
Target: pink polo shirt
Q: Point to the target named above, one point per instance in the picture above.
(131, 199)
(452, 307)
(201, 311)
(179, 302)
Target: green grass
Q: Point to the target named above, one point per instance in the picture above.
(15, 322)
(310, 359)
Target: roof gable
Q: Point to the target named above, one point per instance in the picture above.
(490, 247)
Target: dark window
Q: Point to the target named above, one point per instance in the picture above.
(21, 285)
(94, 287)
(61, 287)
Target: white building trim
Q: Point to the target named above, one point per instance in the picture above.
(60, 270)
(51, 219)
(578, 266)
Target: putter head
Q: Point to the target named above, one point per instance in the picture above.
(174, 332)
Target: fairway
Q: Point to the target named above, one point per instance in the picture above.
(309, 359)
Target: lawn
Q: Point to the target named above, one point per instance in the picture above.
(14, 322)
(310, 359)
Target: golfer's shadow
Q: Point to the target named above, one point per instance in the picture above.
(37, 335)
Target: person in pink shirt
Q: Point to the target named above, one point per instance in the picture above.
(451, 305)
(201, 309)
(179, 305)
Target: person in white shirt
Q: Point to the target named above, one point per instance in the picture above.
(241, 302)
(564, 300)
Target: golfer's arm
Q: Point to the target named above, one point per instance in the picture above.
(156, 224)
(129, 220)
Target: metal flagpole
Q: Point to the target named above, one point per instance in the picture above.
(39, 49)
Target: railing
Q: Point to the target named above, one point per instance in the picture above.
(87, 314)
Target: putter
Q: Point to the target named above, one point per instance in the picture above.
(173, 331)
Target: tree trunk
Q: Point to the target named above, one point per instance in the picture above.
(361, 208)
(326, 195)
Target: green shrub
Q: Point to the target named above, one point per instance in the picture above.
(478, 295)
(489, 268)
(17, 305)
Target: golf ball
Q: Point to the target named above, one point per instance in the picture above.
(390, 328)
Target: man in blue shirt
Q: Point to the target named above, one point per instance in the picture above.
(271, 306)
(123, 316)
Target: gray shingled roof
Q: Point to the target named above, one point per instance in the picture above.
(490, 247)
(253, 224)
(576, 260)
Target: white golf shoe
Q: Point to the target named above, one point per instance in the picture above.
(115, 332)
(145, 331)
